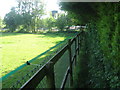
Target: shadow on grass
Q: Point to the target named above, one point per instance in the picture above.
(47, 34)
(11, 80)
(60, 33)
(9, 34)
(25, 72)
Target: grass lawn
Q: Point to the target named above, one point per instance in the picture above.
(17, 48)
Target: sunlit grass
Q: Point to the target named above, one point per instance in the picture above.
(17, 49)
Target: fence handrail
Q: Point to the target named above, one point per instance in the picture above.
(32, 82)
(31, 60)
(41, 73)
(56, 57)
(65, 78)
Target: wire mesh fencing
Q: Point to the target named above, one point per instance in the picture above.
(60, 69)
(42, 84)
(24, 78)
(34, 68)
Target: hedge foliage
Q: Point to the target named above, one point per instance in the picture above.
(99, 65)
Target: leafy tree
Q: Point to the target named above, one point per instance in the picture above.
(70, 20)
(64, 20)
(84, 11)
(61, 22)
(42, 24)
(50, 22)
(10, 20)
(1, 23)
(25, 16)
(37, 12)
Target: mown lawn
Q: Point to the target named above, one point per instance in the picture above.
(17, 48)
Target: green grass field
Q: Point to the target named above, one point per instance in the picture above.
(17, 48)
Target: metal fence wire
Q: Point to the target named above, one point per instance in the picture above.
(67, 85)
(60, 67)
(24, 78)
(42, 84)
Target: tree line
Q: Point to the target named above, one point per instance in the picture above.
(28, 17)
(25, 16)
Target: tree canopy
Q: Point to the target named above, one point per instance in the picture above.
(25, 16)
(84, 11)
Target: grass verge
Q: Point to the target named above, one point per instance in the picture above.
(17, 76)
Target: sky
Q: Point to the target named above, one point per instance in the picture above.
(6, 5)
(52, 4)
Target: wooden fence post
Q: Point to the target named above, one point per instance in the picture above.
(70, 61)
(50, 76)
(80, 40)
(78, 44)
(75, 50)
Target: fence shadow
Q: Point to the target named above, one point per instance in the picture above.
(49, 70)
(30, 69)
(47, 34)
(39, 60)
(4, 34)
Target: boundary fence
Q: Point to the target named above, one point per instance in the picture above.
(47, 71)
(20, 67)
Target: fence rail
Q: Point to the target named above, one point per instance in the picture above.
(47, 70)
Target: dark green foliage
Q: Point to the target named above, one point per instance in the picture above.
(50, 22)
(25, 17)
(10, 20)
(85, 12)
(1, 23)
(61, 22)
(101, 43)
(96, 59)
(81, 78)
(64, 21)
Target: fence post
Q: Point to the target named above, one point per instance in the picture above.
(75, 49)
(80, 36)
(50, 76)
(78, 44)
(70, 61)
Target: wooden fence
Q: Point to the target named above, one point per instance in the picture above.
(47, 70)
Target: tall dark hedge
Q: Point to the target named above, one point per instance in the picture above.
(101, 42)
